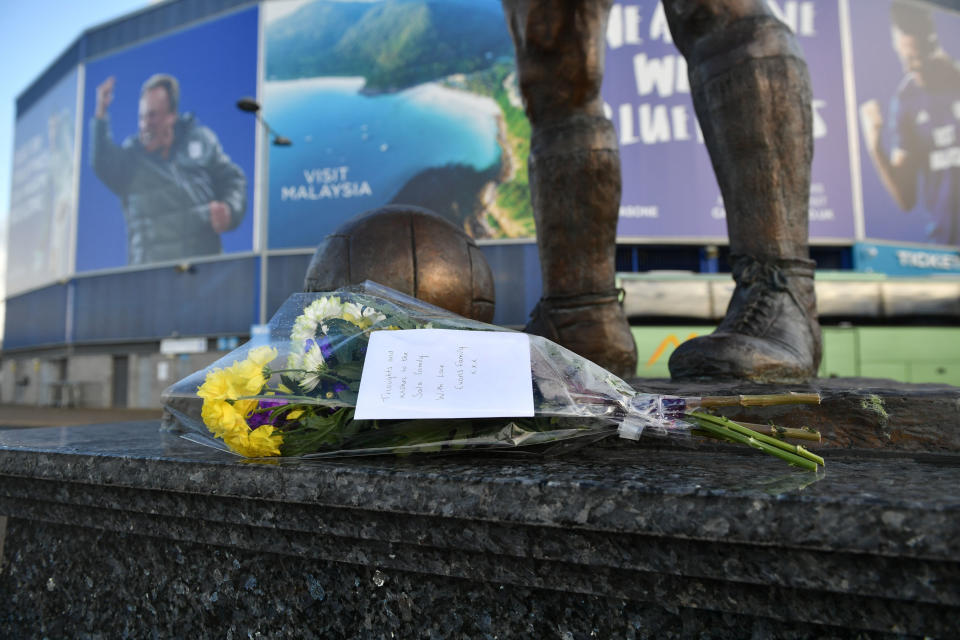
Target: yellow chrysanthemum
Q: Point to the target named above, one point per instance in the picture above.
(265, 441)
(262, 356)
(221, 417)
(259, 443)
(225, 414)
(217, 386)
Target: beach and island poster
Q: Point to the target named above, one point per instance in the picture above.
(427, 114)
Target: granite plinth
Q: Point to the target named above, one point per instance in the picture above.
(123, 530)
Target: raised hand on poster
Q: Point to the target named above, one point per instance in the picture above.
(871, 121)
(105, 96)
(219, 216)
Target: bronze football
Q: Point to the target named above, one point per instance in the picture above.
(412, 250)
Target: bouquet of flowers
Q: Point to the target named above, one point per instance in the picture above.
(305, 390)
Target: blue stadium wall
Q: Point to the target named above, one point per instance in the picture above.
(72, 332)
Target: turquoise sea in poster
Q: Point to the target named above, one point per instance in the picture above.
(354, 151)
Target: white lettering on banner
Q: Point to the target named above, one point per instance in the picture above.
(819, 124)
(623, 26)
(945, 136)
(679, 118)
(654, 124)
(324, 183)
(943, 159)
(326, 191)
(718, 211)
(627, 135)
(667, 74)
(928, 260)
(799, 16)
(325, 175)
(818, 203)
(659, 29)
(639, 211)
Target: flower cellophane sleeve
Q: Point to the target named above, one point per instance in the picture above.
(292, 393)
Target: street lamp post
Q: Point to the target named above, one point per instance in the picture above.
(250, 105)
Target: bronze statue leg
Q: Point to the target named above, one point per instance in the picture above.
(751, 91)
(574, 169)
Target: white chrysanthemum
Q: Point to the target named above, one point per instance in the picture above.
(306, 325)
(363, 317)
(312, 323)
(313, 363)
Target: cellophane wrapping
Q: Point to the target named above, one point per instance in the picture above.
(292, 393)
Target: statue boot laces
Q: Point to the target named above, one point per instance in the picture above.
(770, 332)
(592, 325)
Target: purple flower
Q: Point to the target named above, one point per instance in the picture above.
(258, 419)
(261, 415)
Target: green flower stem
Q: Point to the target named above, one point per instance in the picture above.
(325, 374)
(765, 400)
(732, 431)
(723, 433)
(806, 453)
(803, 433)
(291, 399)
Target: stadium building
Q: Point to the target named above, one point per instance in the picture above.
(122, 281)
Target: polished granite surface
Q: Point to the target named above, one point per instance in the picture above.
(704, 540)
(617, 485)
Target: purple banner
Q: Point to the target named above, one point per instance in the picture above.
(908, 95)
(669, 188)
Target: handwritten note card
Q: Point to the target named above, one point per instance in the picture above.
(442, 373)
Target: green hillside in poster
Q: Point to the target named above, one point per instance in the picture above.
(393, 44)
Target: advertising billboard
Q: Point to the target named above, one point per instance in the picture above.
(424, 115)
(907, 77)
(168, 159)
(42, 193)
(669, 188)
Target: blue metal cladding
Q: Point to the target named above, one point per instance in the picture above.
(36, 318)
(516, 280)
(284, 277)
(206, 298)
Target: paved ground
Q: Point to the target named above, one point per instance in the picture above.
(28, 416)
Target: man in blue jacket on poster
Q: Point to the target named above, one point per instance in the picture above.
(921, 167)
(179, 190)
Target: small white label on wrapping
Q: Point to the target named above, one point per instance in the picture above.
(443, 373)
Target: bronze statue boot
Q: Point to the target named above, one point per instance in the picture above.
(592, 325)
(574, 177)
(770, 332)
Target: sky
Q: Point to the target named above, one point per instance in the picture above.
(33, 33)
